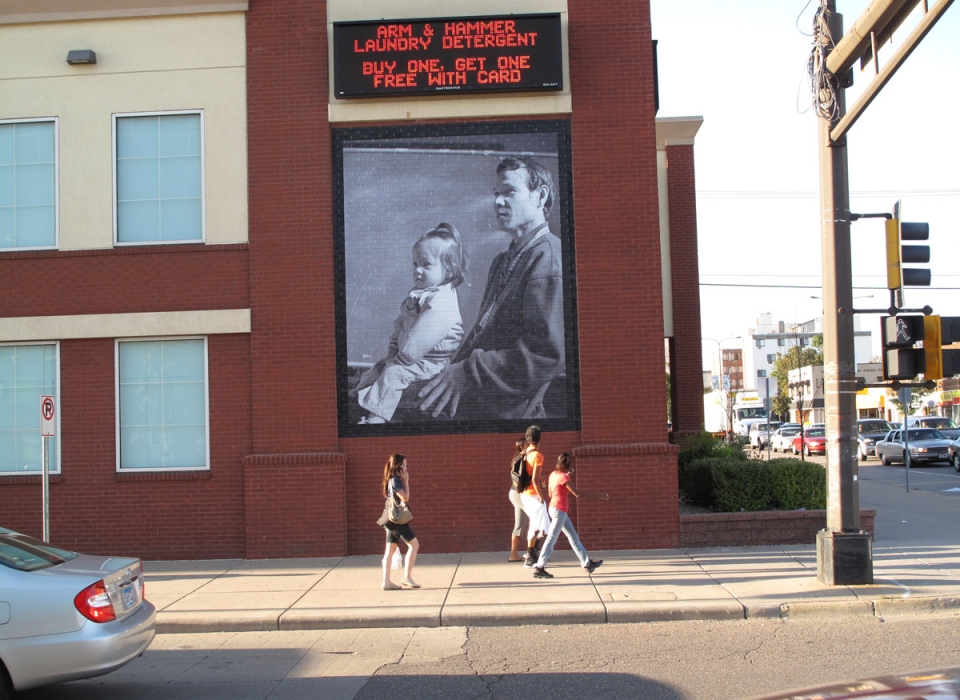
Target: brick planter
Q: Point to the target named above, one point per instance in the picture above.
(768, 527)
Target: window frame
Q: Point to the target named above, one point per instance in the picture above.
(55, 469)
(206, 401)
(203, 178)
(56, 182)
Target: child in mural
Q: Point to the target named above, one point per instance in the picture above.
(428, 330)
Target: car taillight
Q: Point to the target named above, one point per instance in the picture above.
(94, 603)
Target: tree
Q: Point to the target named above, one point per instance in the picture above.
(917, 397)
(794, 358)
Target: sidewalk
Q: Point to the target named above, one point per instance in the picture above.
(485, 589)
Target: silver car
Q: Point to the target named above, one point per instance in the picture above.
(926, 446)
(65, 615)
(782, 439)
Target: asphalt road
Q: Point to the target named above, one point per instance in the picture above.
(659, 661)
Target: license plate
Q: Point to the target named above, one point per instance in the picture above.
(129, 596)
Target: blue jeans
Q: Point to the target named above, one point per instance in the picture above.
(561, 521)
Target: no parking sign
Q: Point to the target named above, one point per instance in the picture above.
(48, 415)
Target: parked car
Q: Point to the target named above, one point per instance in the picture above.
(940, 684)
(64, 615)
(953, 452)
(814, 441)
(926, 446)
(760, 433)
(782, 439)
(945, 425)
(869, 431)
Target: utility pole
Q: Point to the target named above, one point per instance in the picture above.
(844, 551)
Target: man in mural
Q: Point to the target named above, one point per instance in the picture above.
(516, 347)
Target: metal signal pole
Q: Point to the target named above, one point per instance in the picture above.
(844, 551)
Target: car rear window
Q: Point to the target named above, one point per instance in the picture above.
(927, 434)
(873, 427)
(28, 554)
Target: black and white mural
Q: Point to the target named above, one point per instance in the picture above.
(456, 290)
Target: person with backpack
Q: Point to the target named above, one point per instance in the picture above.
(560, 490)
(532, 496)
(520, 519)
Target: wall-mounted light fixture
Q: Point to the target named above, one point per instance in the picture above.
(81, 57)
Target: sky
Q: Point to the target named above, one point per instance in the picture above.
(742, 67)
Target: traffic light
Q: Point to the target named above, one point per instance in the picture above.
(902, 360)
(899, 334)
(897, 254)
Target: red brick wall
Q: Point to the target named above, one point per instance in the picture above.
(687, 354)
(124, 280)
(165, 515)
(770, 527)
(460, 482)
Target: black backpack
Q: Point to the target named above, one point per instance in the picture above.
(518, 472)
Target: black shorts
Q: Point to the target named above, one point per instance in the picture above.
(395, 533)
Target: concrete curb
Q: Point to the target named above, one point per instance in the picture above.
(827, 608)
(905, 607)
(525, 614)
(673, 610)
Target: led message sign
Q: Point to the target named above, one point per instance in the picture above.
(463, 54)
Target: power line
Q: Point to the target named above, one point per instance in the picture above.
(811, 194)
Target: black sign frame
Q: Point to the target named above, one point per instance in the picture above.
(375, 58)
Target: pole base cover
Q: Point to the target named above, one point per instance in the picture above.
(844, 558)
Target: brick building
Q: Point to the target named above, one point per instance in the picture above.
(202, 247)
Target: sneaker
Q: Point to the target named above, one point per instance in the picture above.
(391, 586)
(541, 573)
(529, 563)
(593, 565)
(409, 583)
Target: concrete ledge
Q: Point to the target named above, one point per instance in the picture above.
(497, 615)
(759, 528)
(826, 608)
(401, 615)
(671, 610)
(905, 607)
(224, 621)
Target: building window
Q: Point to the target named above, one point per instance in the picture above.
(27, 372)
(761, 373)
(781, 342)
(158, 179)
(761, 343)
(162, 404)
(28, 184)
(771, 359)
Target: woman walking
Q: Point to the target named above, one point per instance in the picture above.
(396, 486)
(520, 519)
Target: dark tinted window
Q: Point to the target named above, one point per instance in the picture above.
(926, 434)
(28, 554)
(873, 426)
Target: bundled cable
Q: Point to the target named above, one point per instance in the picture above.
(823, 84)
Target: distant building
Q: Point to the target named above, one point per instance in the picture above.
(767, 339)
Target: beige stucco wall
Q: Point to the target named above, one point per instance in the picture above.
(445, 107)
(143, 65)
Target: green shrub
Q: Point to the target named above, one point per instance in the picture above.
(712, 473)
(698, 453)
(741, 485)
(798, 484)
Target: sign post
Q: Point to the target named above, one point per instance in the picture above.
(906, 396)
(48, 429)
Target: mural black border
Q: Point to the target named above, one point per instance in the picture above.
(572, 421)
